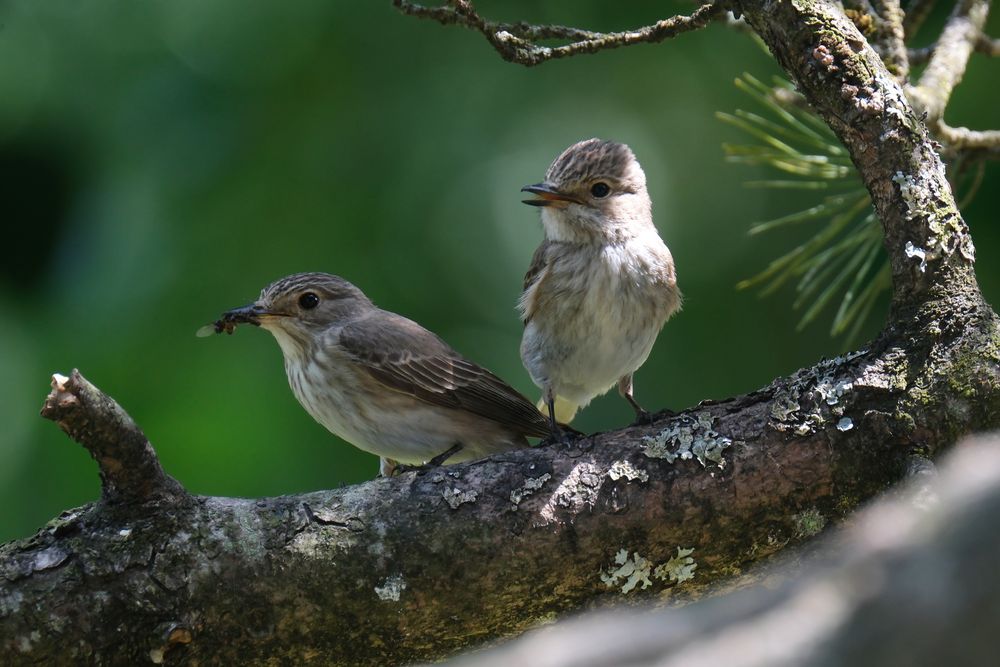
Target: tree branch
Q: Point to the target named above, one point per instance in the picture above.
(515, 42)
(130, 471)
(417, 567)
(984, 45)
(913, 581)
(949, 58)
(893, 40)
(962, 138)
(444, 560)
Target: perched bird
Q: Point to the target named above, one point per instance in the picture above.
(602, 283)
(382, 382)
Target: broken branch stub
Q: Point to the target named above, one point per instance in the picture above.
(130, 471)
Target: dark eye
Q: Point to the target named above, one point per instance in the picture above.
(600, 189)
(308, 301)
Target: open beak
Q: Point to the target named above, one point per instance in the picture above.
(548, 196)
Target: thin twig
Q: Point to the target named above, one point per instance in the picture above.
(949, 59)
(890, 30)
(984, 45)
(962, 138)
(515, 42)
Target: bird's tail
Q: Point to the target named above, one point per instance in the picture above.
(565, 409)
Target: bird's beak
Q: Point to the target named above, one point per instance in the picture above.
(548, 196)
(252, 314)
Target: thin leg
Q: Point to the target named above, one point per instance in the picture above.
(625, 389)
(433, 463)
(550, 401)
(444, 456)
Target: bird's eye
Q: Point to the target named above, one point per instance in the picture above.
(309, 300)
(600, 189)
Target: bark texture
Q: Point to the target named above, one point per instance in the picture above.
(423, 565)
(913, 582)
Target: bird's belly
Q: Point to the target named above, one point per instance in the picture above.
(593, 339)
(388, 423)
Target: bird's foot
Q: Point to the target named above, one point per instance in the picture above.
(564, 435)
(643, 418)
(646, 418)
(435, 462)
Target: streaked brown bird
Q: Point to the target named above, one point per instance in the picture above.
(381, 381)
(602, 283)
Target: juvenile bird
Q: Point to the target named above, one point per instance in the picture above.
(381, 381)
(602, 283)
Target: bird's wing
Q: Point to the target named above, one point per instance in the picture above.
(403, 356)
(534, 275)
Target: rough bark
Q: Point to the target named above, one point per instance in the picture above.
(913, 582)
(420, 566)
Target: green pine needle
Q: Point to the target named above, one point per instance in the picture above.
(844, 258)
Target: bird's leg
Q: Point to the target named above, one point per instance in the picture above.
(561, 433)
(433, 463)
(550, 402)
(445, 455)
(625, 389)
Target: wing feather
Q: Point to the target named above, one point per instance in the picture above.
(405, 357)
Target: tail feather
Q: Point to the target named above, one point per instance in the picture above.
(565, 410)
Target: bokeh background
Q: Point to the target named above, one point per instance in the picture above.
(162, 161)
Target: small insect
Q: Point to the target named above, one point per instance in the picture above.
(225, 324)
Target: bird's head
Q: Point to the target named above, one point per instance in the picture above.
(297, 309)
(595, 190)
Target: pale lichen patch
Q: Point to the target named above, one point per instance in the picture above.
(48, 558)
(679, 568)
(809, 522)
(25, 643)
(456, 497)
(845, 424)
(946, 233)
(530, 485)
(917, 252)
(392, 588)
(630, 572)
(688, 438)
(783, 408)
(306, 543)
(812, 397)
(10, 603)
(620, 469)
(577, 492)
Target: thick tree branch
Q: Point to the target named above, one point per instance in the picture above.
(912, 582)
(440, 561)
(417, 567)
(515, 42)
(930, 251)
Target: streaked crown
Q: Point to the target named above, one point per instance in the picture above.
(324, 285)
(596, 159)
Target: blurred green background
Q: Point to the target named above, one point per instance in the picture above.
(162, 161)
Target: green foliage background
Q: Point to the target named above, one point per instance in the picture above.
(162, 161)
